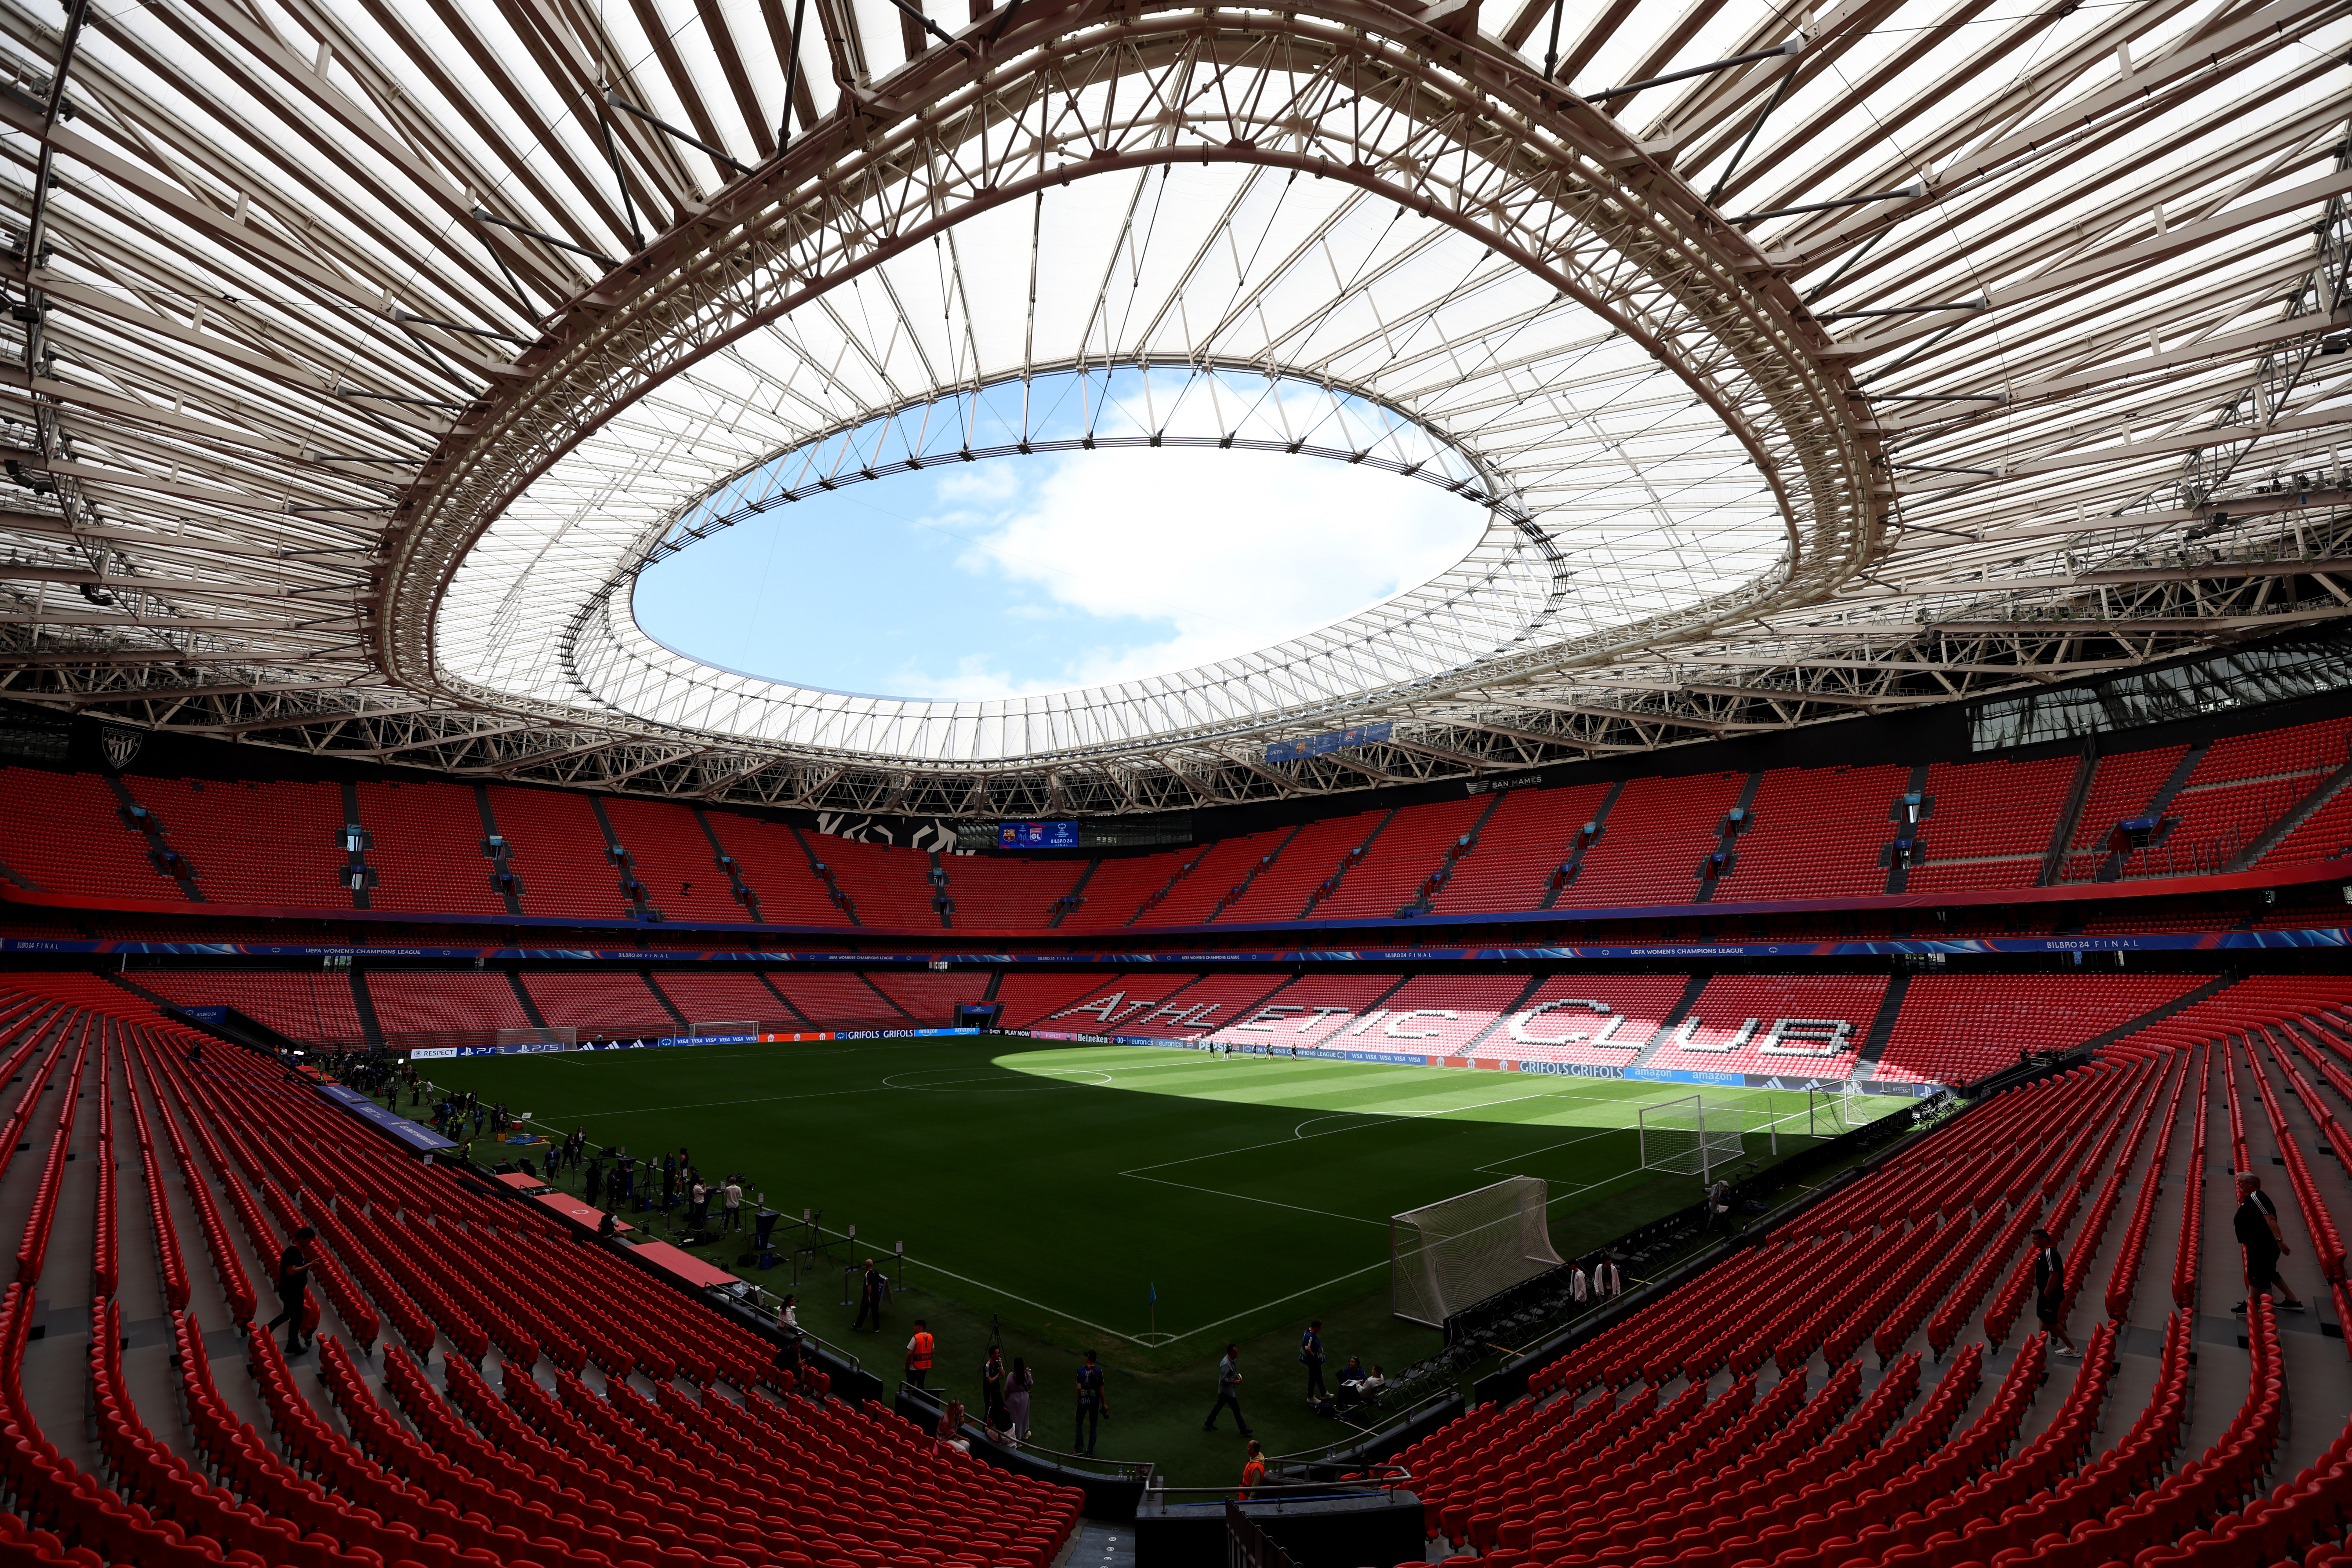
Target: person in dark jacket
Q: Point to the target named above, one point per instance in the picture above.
(293, 1290)
(2049, 1291)
(2257, 1227)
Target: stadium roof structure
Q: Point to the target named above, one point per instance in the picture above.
(1807, 360)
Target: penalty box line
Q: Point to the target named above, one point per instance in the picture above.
(1383, 1119)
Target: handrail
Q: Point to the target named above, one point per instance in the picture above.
(1394, 1418)
(1279, 1490)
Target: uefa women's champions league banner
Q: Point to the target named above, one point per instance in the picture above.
(2152, 941)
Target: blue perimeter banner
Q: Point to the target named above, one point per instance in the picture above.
(2152, 941)
(547, 1048)
(415, 1134)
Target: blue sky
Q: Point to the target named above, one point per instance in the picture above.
(1019, 575)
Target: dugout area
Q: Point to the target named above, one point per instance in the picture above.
(1150, 1204)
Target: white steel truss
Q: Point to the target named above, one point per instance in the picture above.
(358, 356)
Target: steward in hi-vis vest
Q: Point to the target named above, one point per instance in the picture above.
(919, 1355)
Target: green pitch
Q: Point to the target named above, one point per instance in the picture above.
(1153, 1202)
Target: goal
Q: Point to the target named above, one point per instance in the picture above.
(1689, 1137)
(1839, 1108)
(723, 1029)
(553, 1039)
(1449, 1255)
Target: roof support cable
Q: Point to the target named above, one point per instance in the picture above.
(1794, 45)
(1551, 50)
(1779, 89)
(697, 142)
(1980, 303)
(929, 27)
(792, 77)
(1890, 369)
(482, 214)
(1851, 263)
(620, 178)
(522, 301)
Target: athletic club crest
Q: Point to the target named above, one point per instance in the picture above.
(119, 746)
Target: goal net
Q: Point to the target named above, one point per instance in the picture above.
(565, 1036)
(725, 1028)
(1839, 1108)
(1689, 1137)
(1449, 1255)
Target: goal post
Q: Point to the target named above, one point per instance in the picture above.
(1836, 1107)
(1689, 1138)
(566, 1037)
(1446, 1255)
(725, 1028)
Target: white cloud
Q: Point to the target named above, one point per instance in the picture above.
(983, 482)
(1224, 552)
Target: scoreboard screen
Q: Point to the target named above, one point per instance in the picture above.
(1036, 835)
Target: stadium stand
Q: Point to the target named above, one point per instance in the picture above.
(930, 998)
(1026, 997)
(1006, 893)
(253, 843)
(1560, 1023)
(1322, 852)
(1531, 835)
(1727, 1419)
(2122, 787)
(673, 858)
(1195, 889)
(1111, 1005)
(66, 831)
(309, 1005)
(2268, 798)
(1411, 852)
(1309, 1011)
(775, 866)
(2241, 786)
(887, 887)
(599, 1002)
(833, 999)
(427, 849)
(1657, 834)
(459, 1296)
(1202, 1007)
(444, 1007)
(1991, 823)
(725, 996)
(1957, 1028)
(1815, 833)
(558, 852)
(1810, 1025)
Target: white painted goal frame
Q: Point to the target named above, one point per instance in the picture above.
(1689, 1138)
(1450, 1254)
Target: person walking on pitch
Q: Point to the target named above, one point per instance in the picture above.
(1311, 1352)
(1094, 1403)
(919, 1355)
(1229, 1391)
